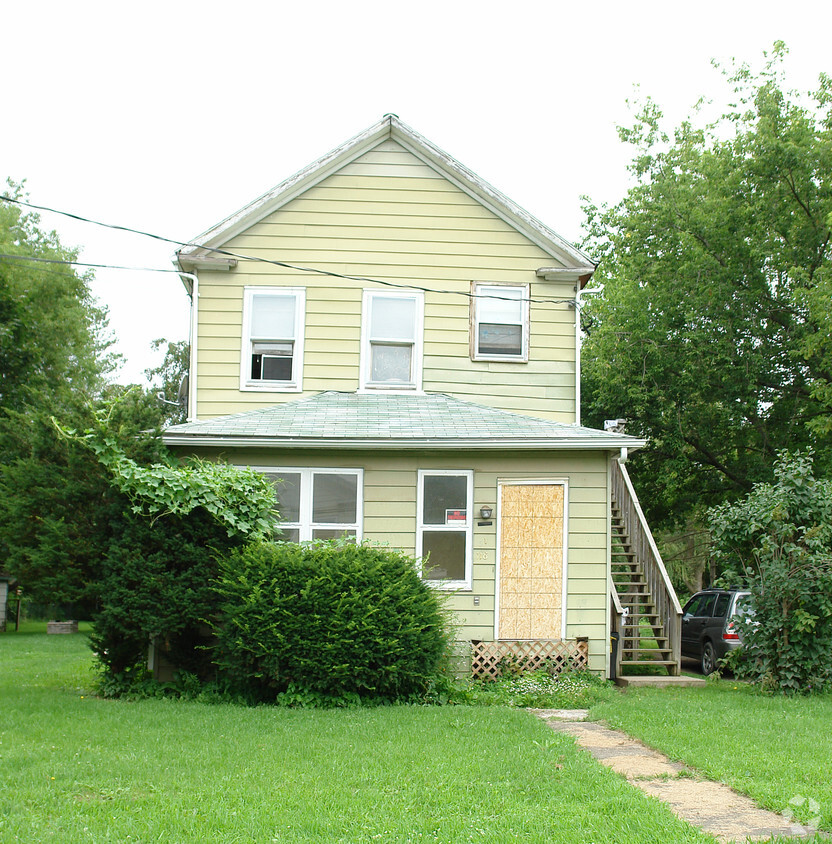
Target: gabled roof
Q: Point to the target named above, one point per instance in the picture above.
(390, 127)
(390, 421)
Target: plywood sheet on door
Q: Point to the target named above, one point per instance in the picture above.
(531, 561)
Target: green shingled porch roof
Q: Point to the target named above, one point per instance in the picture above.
(388, 420)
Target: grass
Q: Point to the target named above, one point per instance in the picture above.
(78, 768)
(774, 749)
(539, 689)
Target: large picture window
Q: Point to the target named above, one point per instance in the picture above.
(500, 327)
(272, 353)
(445, 523)
(318, 503)
(391, 349)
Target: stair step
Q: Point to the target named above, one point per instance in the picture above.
(649, 662)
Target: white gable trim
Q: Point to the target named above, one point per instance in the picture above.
(390, 127)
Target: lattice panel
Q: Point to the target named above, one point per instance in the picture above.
(491, 660)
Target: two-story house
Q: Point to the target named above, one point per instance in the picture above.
(396, 343)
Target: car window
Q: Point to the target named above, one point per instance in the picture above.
(742, 605)
(693, 605)
(707, 605)
(700, 605)
(721, 606)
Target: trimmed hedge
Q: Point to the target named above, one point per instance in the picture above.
(327, 620)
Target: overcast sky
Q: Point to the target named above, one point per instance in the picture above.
(167, 117)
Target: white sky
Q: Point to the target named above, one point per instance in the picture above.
(168, 116)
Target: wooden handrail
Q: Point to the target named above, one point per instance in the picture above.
(647, 554)
(617, 626)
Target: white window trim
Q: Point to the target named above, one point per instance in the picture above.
(247, 384)
(478, 287)
(305, 526)
(366, 385)
(467, 582)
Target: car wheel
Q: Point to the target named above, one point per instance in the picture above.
(708, 659)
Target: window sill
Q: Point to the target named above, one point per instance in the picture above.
(450, 585)
(269, 387)
(498, 359)
(402, 389)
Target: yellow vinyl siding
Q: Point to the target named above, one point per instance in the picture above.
(388, 216)
(390, 489)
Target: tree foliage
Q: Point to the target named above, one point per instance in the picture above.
(712, 334)
(53, 360)
(52, 335)
(779, 540)
(242, 500)
(170, 375)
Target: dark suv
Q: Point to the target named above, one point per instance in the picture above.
(709, 625)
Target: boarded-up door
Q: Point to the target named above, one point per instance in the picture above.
(531, 561)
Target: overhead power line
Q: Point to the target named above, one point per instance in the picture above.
(259, 259)
(85, 264)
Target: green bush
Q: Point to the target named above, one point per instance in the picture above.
(779, 541)
(328, 622)
(156, 584)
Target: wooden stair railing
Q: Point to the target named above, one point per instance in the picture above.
(647, 614)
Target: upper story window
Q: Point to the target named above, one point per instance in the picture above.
(272, 353)
(500, 326)
(391, 346)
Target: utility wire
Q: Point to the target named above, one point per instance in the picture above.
(84, 264)
(282, 264)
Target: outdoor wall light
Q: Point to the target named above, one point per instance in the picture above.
(486, 512)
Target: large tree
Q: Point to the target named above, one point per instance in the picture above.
(711, 335)
(51, 332)
(54, 498)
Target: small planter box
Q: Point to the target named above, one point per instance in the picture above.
(61, 626)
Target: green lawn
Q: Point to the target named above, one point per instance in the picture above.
(77, 768)
(773, 749)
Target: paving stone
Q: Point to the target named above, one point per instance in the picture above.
(712, 806)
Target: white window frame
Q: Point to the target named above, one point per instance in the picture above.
(305, 526)
(366, 383)
(467, 582)
(295, 385)
(485, 289)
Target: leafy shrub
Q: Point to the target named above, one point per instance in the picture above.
(156, 584)
(779, 541)
(328, 622)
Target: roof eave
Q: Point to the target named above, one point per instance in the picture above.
(486, 193)
(408, 444)
(286, 190)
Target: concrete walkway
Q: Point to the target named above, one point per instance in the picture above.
(713, 807)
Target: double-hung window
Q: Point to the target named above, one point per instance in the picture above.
(391, 347)
(318, 503)
(444, 527)
(272, 353)
(500, 325)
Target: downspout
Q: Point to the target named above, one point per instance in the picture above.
(578, 291)
(578, 353)
(193, 293)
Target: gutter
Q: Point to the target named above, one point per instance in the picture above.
(405, 444)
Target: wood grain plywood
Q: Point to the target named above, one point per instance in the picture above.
(531, 561)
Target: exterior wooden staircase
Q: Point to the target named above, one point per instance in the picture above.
(646, 613)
